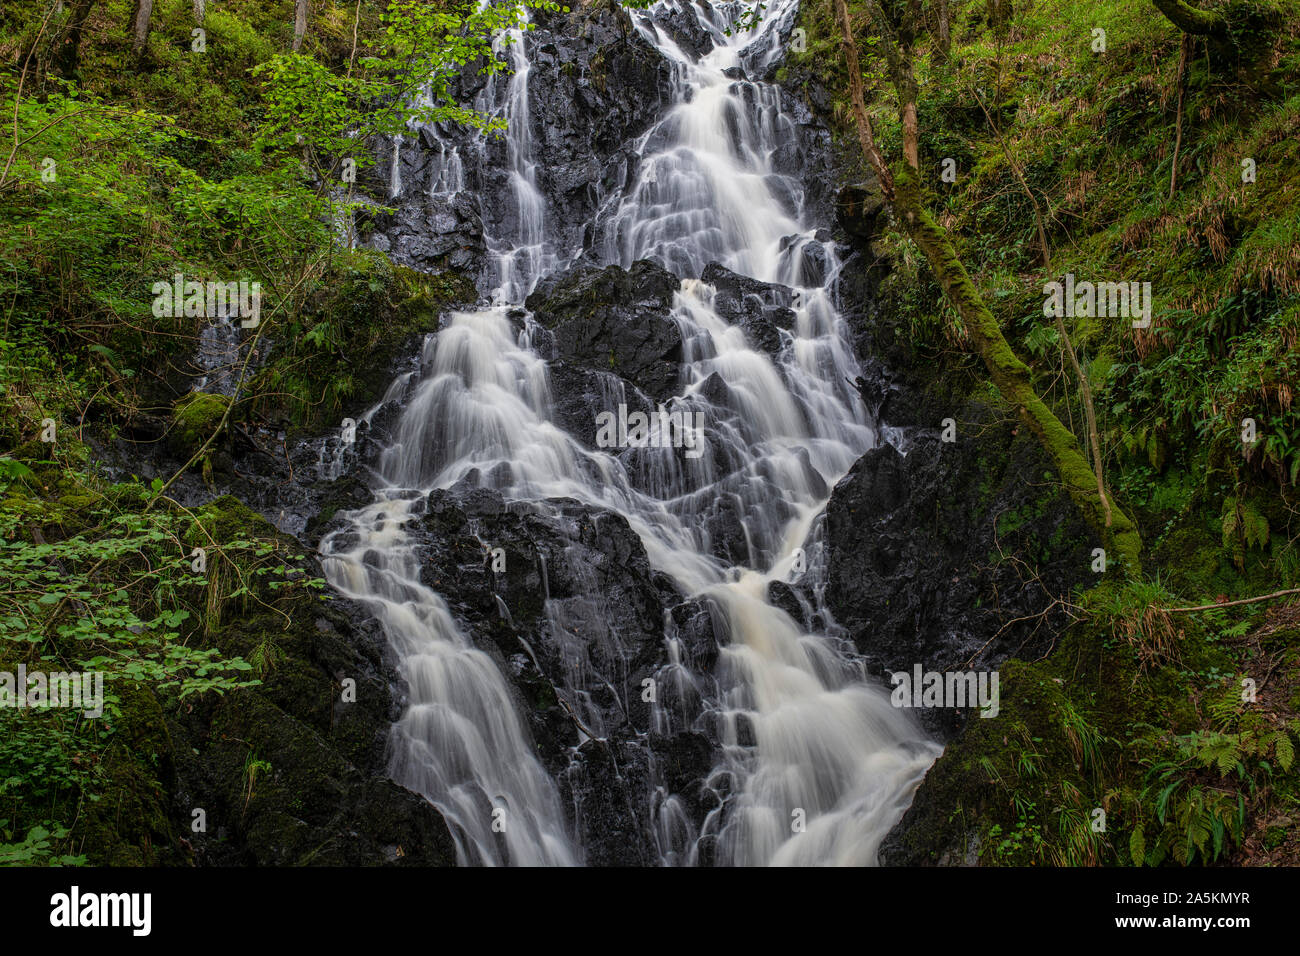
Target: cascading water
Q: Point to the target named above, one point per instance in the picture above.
(813, 765)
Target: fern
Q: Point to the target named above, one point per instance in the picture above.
(1256, 529)
(1283, 749)
(1223, 751)
(1137, 846)
(1244, 526)
(1225, 710)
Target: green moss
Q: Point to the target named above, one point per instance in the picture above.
(131, 825)
(335, 358)
(196, 419)
(1081, 730)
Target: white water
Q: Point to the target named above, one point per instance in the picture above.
(806, 737)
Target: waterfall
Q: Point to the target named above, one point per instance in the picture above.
(813, 763)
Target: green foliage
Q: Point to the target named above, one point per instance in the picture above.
(222, 165)
(104, 600)
(747, 21)
(405, 76)
(1244, 526)
(253, 770)
(37, 848)
(1093, 135)
(1024, 840)
(1193, 806)
(115, 590)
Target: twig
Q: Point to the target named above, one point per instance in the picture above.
(353, 56)
(18, 96)
(1178, 138)
(1211, 607)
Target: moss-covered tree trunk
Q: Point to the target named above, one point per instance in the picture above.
(67, 56)
(1189, 19)
(943, 23)
(1239, 33)
(1013, 378)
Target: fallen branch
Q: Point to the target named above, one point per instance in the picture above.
(1211, 607)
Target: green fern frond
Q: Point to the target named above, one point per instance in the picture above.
(1284, 749)
(1137, 847)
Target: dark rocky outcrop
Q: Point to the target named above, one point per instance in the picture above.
(432, 233)
(953, 552)
(760, 308)
(594, 84)
(282, 773)
(576, 623)
(617, 320)
(683, 27)
(861, 211)
(947, 553)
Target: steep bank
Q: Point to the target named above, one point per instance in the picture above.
(1023, 113)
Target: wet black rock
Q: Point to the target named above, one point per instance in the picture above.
(791, 599)
(934, 554)
(432, 232)
(860, 209)
(290, 772)
(594, 85)
(609, 782)
(579, 394)
(616, 320)
(682, 25)
(565, 599)
(694, 620)
(734, 289)
(814, 262)
(760, 308)
(684, 762)
(724, 535)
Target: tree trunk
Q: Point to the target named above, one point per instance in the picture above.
(1011, 376)
(68, 55)
(945, 38)
(140, 24)
(299, 24)
(1242, 37)
(899, 33)
(866, 137)
(1201, 23)
(1045, 252)
(911, 136)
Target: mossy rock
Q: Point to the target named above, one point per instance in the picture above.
(197, 418)
(132, 824)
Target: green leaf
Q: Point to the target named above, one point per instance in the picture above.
(1137, 847)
